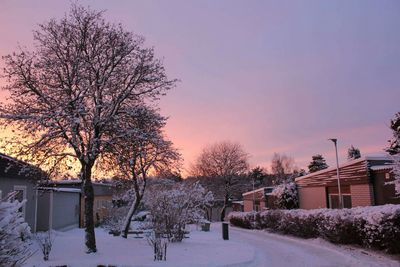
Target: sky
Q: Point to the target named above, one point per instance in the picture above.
(275, 76)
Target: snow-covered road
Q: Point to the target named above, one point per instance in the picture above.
(252, 248)
(276, 250)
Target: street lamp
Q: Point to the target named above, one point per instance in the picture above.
(254, 196)
(334, 140)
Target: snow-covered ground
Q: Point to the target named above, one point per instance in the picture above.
(278, 250)
(245, 248)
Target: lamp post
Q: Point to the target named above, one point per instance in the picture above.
(334, 140)
(254, 197)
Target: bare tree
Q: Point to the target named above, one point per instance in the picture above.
(224, 160)
(72, 92)
(141, 150)
(282, 167)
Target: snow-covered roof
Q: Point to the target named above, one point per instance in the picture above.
(66, 181)
(382, 167)
(365, 158)
(76, 182)
(257, 190)
(60, 189)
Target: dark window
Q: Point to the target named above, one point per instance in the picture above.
(347, 201)
(19, 196)
(334, 201)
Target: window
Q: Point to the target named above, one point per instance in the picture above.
(334, 201)
(21, 195)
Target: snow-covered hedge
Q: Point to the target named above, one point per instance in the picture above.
(376, 227)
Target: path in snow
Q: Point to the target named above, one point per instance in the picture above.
(276, 250)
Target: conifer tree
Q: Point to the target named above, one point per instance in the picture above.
(353, 153)
(318, 163)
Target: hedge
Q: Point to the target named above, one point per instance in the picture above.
(373, 227)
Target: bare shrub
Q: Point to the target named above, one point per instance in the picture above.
(45, 241)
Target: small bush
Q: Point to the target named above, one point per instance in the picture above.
(375, 227)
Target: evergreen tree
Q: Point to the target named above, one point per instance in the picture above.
(14, 233)
(394, 146)
(318, 163)
(394, 150)
(353, 153)
(258, 174)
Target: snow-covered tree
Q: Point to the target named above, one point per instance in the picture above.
(224, 160)
(71, 94)
(396, 173)
(318, 163)
(174, 208)
(14, 233)
(286, 196)
(353, 153)
(394, 145)
(139, 151)
(394, 150)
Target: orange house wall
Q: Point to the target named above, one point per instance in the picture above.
(361, 195)
(312, 197)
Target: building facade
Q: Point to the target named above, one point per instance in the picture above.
(363, 182)
(259, 199)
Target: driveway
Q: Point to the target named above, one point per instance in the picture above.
(277, 250)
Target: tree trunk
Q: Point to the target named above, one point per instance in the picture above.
(90, 239)
(129, 216)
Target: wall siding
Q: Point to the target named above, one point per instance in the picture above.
(247, 205)
(7, 186)
(361, 195)
(312, 197)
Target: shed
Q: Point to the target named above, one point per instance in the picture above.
(58, 208)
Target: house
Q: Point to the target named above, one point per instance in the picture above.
(363, 182)
(49, 204)
(258, 199)
(19, 176)
(103, 193)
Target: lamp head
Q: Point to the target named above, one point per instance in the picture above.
(334, 140)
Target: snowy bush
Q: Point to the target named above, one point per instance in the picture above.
(376, 226)
(115, 219)
(172, 209)
(159, 245)
(45, 242)
(396, 174)
(286, 196)
(14, 233)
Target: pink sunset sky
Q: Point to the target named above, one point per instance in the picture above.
(275, 76)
